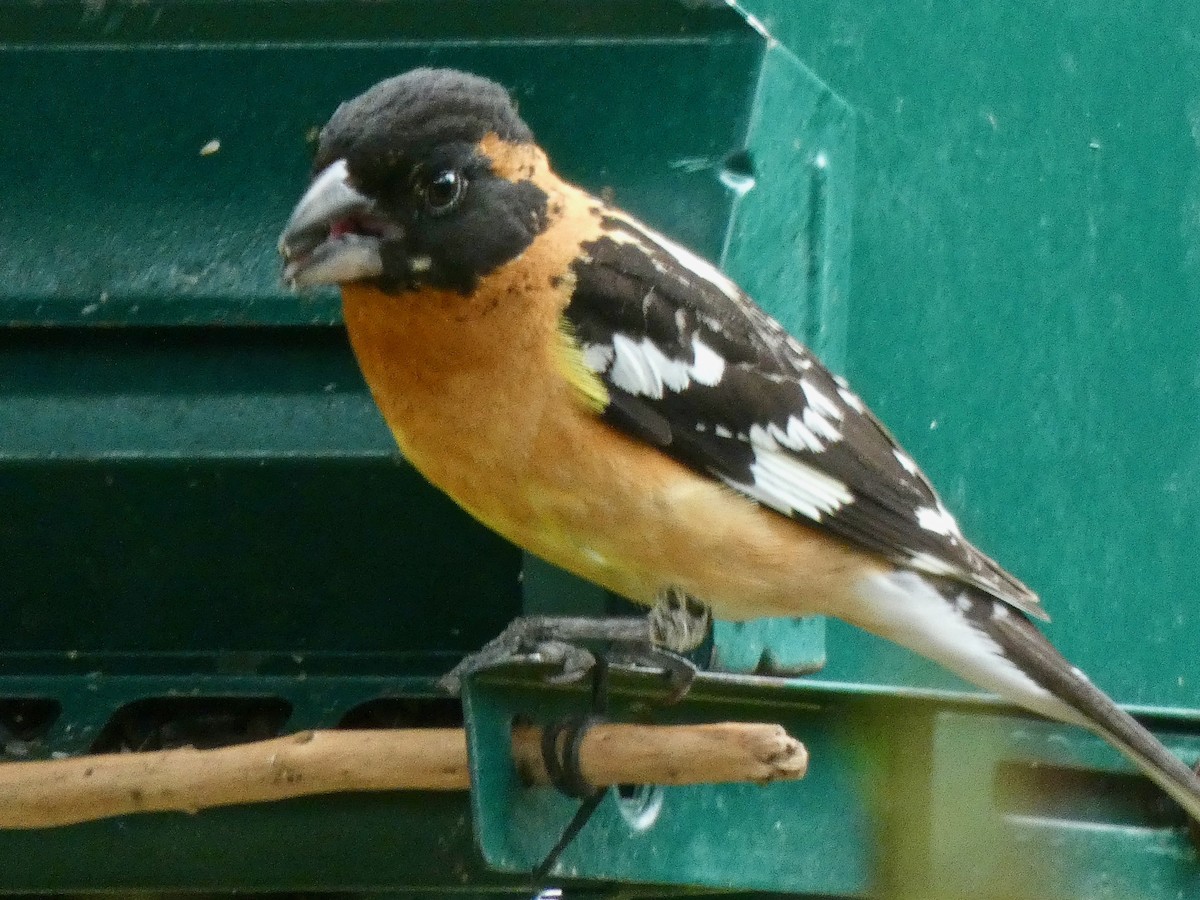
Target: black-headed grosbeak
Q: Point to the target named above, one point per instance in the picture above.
(606, 399)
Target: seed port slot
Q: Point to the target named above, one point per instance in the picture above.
(639, 804)
(165, 723)
(1062, 793)
(24, 721)
(405, 712)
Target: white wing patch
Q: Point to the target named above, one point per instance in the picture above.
(852, 400)
(801, 436)
(641, 367)
(938, 520)
(931, 565)
(597, 356)
(819, 402)
(709, 366)
(701, 268)
(787, 484)
(906, 462)
(760, 413)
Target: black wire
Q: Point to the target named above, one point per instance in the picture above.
(581, 817)
(565, 771)
(564, 767)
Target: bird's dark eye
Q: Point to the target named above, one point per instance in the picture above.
(443, 191)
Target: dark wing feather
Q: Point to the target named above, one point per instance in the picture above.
(693, 366)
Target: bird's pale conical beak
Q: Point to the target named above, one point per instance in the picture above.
(332, 236)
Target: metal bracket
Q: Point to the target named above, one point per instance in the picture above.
(809, 836)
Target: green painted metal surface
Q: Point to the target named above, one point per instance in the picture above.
(145, 229)
(1023, 309)
(1023, 317)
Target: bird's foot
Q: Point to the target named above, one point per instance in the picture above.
(678, 621)
(555, 641)
(549, 640)
(679, 671)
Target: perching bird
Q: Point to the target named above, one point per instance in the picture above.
(606, 399)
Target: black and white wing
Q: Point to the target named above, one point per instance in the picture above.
(694, 367)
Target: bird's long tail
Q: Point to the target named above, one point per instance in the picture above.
(996, 647)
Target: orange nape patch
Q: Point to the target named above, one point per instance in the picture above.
(513, 161)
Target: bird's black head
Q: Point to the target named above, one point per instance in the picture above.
(424, 180)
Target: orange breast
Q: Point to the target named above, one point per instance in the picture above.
(478, 403)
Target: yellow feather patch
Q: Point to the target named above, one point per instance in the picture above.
(570, 362)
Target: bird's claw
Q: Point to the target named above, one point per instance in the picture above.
(533, 640)
(679, 671)
(678, 621)
(572, 662)
(553, 642)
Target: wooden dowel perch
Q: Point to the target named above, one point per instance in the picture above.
(43, 794)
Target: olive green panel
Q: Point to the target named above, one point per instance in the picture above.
(128, 394)
(338, 23)
(1023, 808)
(1023, 302)
(347, 843)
